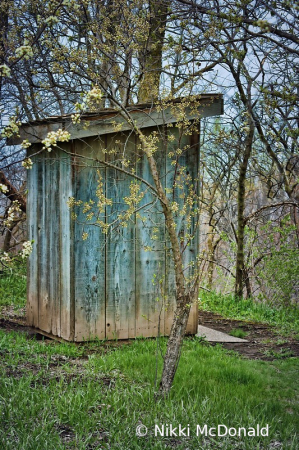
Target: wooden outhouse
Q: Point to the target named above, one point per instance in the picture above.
(118, 284)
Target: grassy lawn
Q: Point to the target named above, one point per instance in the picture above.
(284, 318)
(94, 395)
(13, 287)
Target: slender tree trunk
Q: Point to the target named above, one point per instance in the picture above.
(247, 283)
(211, 236)
(239, 282)
(183, 298)
(211, 248)
(174, 345)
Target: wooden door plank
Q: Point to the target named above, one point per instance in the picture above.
(32, 235)
(191, 251)
(150, 254)
(120, 255)
(65, 262)
(184, 174)
(89, 255)
(53, 220)
(43, 231)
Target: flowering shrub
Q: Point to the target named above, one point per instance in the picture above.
(8, 261)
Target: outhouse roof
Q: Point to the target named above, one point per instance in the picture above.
(110, 120)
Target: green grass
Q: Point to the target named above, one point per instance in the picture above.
(239, 333)
(13, 287)
(51, 390)
(58, 396)
(285, 319)
(281, 354)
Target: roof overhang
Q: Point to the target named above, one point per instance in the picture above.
(107, 121)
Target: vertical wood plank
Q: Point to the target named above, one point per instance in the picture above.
(191, 252)
(65, 263)
(189, 165)
(169, 269)
(43, 254)
(150, 265)
(53, 217)
(120, 255)
(32, 234)
(89, 265)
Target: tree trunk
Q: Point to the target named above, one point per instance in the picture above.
(239, 283)
(4, 9)
(183, 297)
(175, 341)
(151, 60)
(211, 248)
(247, 283)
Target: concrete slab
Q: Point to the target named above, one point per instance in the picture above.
(216, 336)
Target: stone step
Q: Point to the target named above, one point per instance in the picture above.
(216, 336)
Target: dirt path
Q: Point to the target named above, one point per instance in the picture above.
(263, 342)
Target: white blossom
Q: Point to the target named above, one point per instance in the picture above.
(3, 188)
(25, 143)
(5, 258)
(53, 137)
(12, 213)
(4, 70)
(25, 51)
(27, 249)
(75, 118)
(94, 95)
(12, 127)
(27, 163)
(91, 98)
(51, 20)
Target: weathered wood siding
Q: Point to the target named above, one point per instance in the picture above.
(107, 286)
(32, 229)
(89, 255)
(120, 248)
(150, 263)
(49, 304)
(188, 166)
